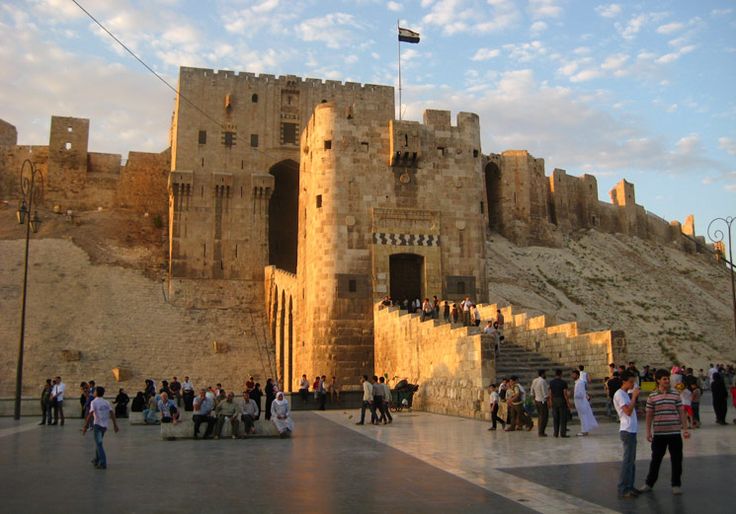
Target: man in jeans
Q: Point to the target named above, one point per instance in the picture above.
(100, 413)
(626, 409)
(665, 419)
(367, 401)
(540, 392)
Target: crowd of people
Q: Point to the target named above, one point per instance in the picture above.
(512, 407)
(465, 311)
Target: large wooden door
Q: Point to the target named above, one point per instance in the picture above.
(406, 276)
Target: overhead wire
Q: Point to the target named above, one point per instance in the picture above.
(157, 75)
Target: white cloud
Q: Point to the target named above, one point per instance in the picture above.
(615, 61)
(538, 27)
(721, 12)
(525, 52)
(609, 10)
(669, 28)
(585, 75)
(673, 56)
(688, 145)
(472, 16)
(544, 9)
(727, 145)
(484, 54)
(636, 23)
(334, 30)
(393, 6)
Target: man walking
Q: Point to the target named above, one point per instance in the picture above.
(386, 406)
(628, 425)
(665, 419)
(560, 404)
(540, 392)
(46, 403)
(367, 400)
(100, 414)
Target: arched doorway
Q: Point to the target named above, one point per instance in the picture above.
(493, 195)
(283, 218)
(406, 276)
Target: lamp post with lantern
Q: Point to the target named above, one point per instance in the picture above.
(26, 215)
(720, 236)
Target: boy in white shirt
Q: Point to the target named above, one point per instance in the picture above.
(495, 402)
(626, 409)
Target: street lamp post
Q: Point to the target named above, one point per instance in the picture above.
(25, 210)
(717, 235)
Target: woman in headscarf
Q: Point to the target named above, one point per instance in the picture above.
(720, 395)
(280, 415)
(269, 397)
(121, 404)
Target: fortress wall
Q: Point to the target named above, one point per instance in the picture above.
(143, 182)
(8, 134)
(103, 163)
(451, 367)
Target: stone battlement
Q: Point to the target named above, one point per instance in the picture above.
(281, 80)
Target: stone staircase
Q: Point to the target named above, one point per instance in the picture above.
(525, 364)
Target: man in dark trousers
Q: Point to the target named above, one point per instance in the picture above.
(665, 419)
(560, 404)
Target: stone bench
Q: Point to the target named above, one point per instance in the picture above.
(136, 418)
(184, 429)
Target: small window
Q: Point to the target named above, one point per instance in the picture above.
(364, 146)
(228, 139)
(69, 129)
(475, 153)
(254, 98)
(203, 162)
(288, 133)
(319, 201)
(406, 139)
(67, 146)
(202, 137)
(352, 285)
(254, 140)
(441, 150)
(481, 207)
(328, 144)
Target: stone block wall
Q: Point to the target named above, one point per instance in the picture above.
(280, 289)
(143, 182)
(452, 366)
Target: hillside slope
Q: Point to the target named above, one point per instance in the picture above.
(672, 305)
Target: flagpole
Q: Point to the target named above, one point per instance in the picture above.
(399, 45)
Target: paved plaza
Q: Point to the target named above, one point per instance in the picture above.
(421, 463)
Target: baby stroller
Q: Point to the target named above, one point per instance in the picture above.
(402, 396)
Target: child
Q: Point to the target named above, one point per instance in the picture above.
(495, 403)
(686, 397)
(695, 403)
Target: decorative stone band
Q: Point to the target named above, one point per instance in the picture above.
(383, 238)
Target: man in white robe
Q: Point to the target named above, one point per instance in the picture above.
(280, 415)
(582, 405)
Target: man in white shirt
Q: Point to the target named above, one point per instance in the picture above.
(248, 414)
(100, 412)
(187, 392)
(540, 393)
(57, 400)
(367, 400)
(495, 402)
(626, 409)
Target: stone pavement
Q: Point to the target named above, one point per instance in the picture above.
(421, 463)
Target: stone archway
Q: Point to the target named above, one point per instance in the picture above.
(406, 272)
(283, 210)
(493, 196)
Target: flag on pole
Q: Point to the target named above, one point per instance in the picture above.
(408, 36)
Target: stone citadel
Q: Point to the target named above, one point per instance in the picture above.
(307, 200)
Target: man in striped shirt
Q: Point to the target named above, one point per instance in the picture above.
(665, 419)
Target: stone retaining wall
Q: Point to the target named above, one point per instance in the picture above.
(451, 365)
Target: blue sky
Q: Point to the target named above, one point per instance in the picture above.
(636, 90)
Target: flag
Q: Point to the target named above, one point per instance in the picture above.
(408, 36)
